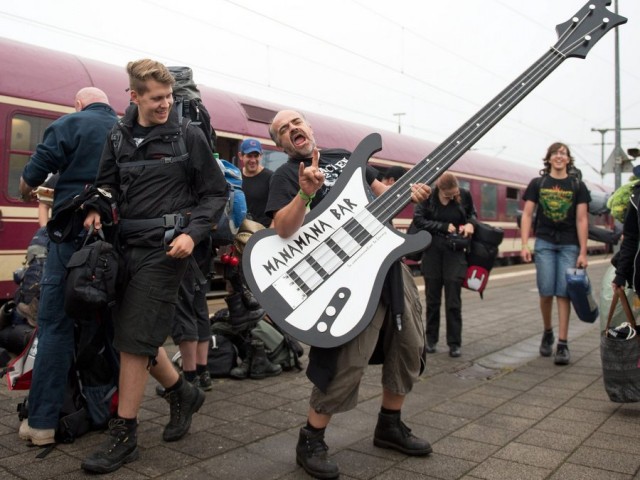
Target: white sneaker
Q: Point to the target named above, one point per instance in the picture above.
(38, 436)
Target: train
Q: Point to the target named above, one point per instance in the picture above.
(38, 85)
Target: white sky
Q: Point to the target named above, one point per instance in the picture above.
(438, 62)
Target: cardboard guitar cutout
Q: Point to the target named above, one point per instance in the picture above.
(322, 285)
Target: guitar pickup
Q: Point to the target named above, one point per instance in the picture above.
(332, 310)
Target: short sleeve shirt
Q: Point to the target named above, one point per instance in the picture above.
(557, 201)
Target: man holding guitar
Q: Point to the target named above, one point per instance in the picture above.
(296, 187)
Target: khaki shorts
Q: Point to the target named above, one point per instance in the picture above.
(402, 349)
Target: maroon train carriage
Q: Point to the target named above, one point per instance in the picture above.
(38, 85)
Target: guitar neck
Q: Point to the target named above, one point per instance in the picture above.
(450, 150)
(576, 37)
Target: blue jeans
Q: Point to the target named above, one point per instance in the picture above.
(552, 261)
(55, 342)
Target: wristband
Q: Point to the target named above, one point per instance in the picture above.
(306, 198)
(526, 247)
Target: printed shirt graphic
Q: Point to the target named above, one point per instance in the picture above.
(555, 203)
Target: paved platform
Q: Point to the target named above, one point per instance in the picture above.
(498, 412)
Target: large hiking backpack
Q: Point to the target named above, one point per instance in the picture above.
(90, 398)
(188, 102)
(28, 277)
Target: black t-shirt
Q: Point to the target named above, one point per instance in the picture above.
(557, 200)
(285, 181)
(256, 191)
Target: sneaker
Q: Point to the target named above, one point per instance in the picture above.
(430, 348)
(454, 351)
(546, 345)
(205, 381)
(120, 448)
(562, 357)
(37, 436)
(183, 403)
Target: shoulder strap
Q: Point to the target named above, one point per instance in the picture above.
(178, 140)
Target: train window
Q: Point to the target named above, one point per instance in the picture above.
(489, 201)
(26, 133)
(464, 184)
(513, 195)
(272, 159)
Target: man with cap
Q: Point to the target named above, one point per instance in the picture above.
(392, 175)
(255, 180)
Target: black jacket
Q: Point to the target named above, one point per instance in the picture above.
(196, 186)
(425, 216)
(628, 259)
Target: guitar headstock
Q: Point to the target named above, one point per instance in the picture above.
(577, 35)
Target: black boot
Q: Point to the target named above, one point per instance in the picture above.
(391, 432)
(120, 448)
(183, 403)
(242, 371)
(249, 300)
(261, 367)
(311, 454)
(240, 318)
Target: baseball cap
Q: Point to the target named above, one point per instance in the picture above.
(250, 145)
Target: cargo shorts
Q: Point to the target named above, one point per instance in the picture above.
(146, 307)
(403, 351)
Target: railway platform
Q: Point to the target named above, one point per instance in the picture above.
(500, 411)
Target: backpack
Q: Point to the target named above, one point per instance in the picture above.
(28, 277)
(90, 283)
(281, 349)
(188, 103)
(235, 209)
(481, 256)
(618, 202)
(221, 359)
(90, 398)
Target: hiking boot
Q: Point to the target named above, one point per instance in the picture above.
(240, 318)
(37, 436)
(120, 448)
(562, 357)
(183, 403)
(261, 367)
(391, 432)
(242, 371)
(205, 381)
(311, 454)
(249, 300)
(546, 345)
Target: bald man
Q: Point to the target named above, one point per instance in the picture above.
(71, 146)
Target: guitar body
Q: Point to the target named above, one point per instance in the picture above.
(322, 285)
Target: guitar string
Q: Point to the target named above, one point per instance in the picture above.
(366, 222)
(503, 104)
